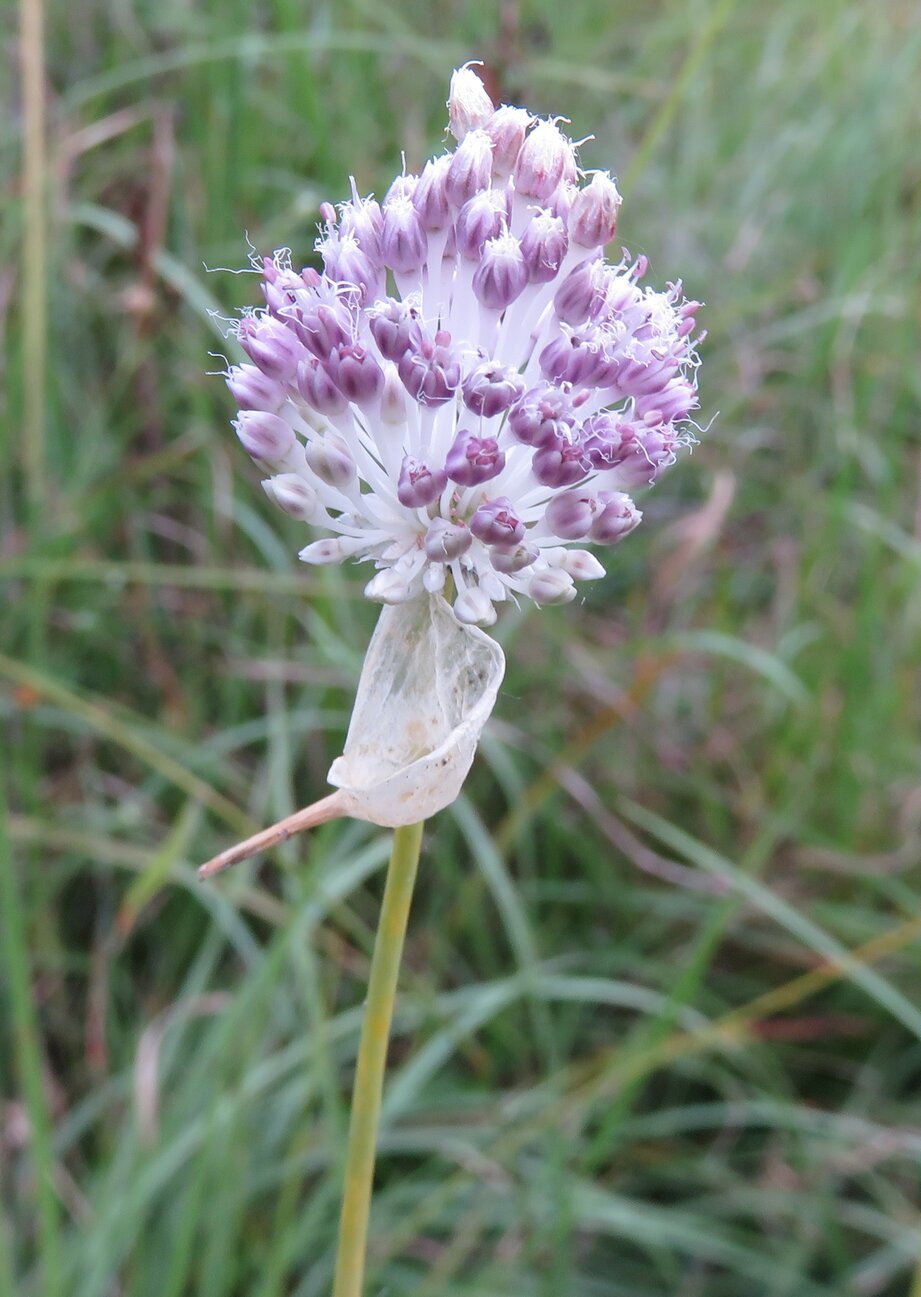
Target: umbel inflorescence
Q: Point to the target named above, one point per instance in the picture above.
(469, 387)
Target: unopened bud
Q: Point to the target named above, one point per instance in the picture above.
(271, 345)
(580, 564)
(509, 559)
(543, 246)
(419, 485)
(469, 106)
(506, 130)
(403, 242)
(496, 523)
(593, 215)
(389, 586)
(552, 586)
(547, 159)
(264, 436)
(473, 607)
(331, 460)
(431, 196)
(502, 274)
(446, 541)
(617, 518)
(470, 169)
(254, 390)
(295, 496)
(332, 549)
(570, 516)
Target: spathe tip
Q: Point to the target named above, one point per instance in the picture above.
(328, 808)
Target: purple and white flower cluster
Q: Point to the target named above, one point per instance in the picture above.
(469, 387)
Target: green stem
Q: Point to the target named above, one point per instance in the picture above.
(372, 1059)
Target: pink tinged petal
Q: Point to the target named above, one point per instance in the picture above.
(552, 586)
(446, 541)
(264, 436)
(469, 106)
(562, 463)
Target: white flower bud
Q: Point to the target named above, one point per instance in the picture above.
(390, 586)
(294, 495)
(469, 106)
(474, 608)
(552, 586)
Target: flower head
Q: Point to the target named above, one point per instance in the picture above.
(468, 387)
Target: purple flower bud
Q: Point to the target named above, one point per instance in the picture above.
(331, 460)
(570, 516)
(593, 215)
(616, 518)
(561, 463)
(402, 187)
(419, 485)
(446, 541)
(472, 460)
(496, 523)
(325, 325)
(673, 403)
(543, 246)
(491, 388)
(363, 220)
(318, 389)
(355, 372)
(264, 436)
(294, 495)
(607, 440)
(280, 289)
(271, 345)
(509, 559)
(470, 169)
(253, 390)
(481, 218)
(431, 196)
(403, 241)
(506, 130)
(649, 452)
(394, 326)
(546, 160)
(583, 293)
(346, 262)
(552, 586)
(431, 370)
(578, 357)
(543, 415)
(502, 274)
(469, 106)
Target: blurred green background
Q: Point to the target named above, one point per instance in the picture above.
(634, 1056)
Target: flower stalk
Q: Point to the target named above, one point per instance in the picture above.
(372, 1058)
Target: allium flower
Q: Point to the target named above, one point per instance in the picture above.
(469, 388)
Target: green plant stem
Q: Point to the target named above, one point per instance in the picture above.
(27, 1053)
(372, 1059)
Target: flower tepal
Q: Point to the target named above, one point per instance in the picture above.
(469, 389)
